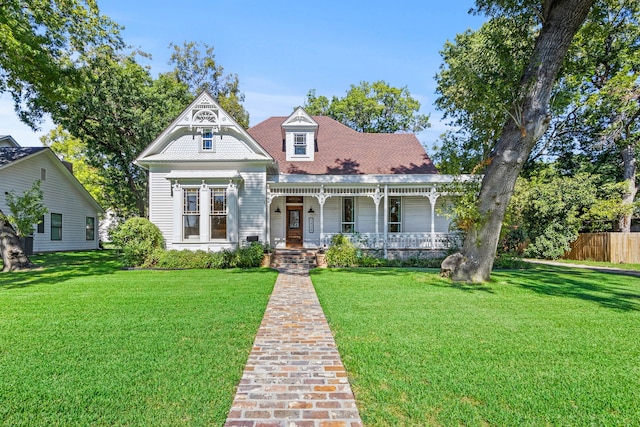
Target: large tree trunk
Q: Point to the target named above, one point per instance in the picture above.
(530, 119)
(13, 256)
(629, 171)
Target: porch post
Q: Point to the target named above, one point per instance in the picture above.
(433, 196)
(322, 197)
(268, 216)
(377, 196)
(386, 218)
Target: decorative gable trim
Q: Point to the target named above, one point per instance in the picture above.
(299, 118)
(299, 132)
(203, 113)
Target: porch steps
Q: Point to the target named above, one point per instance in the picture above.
(294, 259)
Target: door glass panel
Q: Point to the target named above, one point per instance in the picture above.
(294, 219)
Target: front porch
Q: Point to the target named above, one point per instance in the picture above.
(375, 212)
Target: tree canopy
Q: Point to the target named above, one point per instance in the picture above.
(371, 107)
(42, 47)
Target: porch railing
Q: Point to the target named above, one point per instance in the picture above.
(397, 240)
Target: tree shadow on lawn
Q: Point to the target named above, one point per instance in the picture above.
(432, 277)
(62, 266)
(606, 289)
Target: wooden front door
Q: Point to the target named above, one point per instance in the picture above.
(294, 226)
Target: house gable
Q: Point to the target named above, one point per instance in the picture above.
(299, 135)
(8, 141)
(203, 132)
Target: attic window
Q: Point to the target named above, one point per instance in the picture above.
(207, 140)
(300, 144)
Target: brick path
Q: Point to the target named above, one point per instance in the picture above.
(294, 376)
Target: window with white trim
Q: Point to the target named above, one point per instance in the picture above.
(90, 223)
(300, 144)
(191, 214)
(218, 213)
(56, 226)
(207, 140)
(395, 215)
(348, 215)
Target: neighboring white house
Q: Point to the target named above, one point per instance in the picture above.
(291, 181)
(71, 222)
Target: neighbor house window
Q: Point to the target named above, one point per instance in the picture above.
(348, 215)
(300, 144)
(207, 140)
(90, 228)
(41, 225)
(191, 213)
(56, 226)
(218, 213)
(395, 215)
(43, 174)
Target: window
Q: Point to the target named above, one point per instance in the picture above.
(41, 225)
(43, 174)
(91, 228)
(218, 213)
(348, 215)
(56, 226)
(207, 140)
(300, 144)
(191, 214)
(395, 215)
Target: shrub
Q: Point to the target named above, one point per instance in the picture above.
(137, 238)
(341, 253)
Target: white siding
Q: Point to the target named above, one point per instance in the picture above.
(161, 203)
(60, 196)
(416, 215)
(252, 205)
(442, 222)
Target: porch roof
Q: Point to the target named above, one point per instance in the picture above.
(417, 179)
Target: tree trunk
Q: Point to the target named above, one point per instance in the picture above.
(529, 120)
(629, 173)
(13, 256)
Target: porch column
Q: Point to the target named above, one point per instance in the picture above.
(176, 191)
(433, 196)
(322, 197)
(205, 210)
(268, 216)
(232, 213)
(386, 218)
(377, 196)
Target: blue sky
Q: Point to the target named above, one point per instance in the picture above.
(280, 50)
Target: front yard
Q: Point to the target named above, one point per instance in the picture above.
(545, 346)
(83, 342)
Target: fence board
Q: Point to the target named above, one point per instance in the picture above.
(610, 247)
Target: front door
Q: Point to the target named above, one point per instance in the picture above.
(294, 226)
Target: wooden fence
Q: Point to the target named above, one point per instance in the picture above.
(610, 247)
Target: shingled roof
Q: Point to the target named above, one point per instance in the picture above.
(12, 154)
(341, 150)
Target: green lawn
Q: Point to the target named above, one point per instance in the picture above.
(83, 342)
(545, 346)
(634, 267)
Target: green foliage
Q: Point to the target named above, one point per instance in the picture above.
(27, 210)
(371, 107)
(341, 252)
(244, 257)
(548, 210)
(199, 71)
(138, 239)
(42, 45)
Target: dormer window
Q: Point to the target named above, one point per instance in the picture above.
(300, 144)
(207, 140)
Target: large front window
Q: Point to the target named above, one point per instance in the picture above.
(300, 144)
(348, 215)
(395, 215)
(191, 214)
(218, 213)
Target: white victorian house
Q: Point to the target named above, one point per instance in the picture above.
(291, 181)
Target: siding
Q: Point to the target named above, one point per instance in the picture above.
(252, 199)
(60, 196)
(161, 203)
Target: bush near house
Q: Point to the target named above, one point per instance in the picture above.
(137, 238)
(244, 257)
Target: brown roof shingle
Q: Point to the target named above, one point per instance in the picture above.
(341, 150)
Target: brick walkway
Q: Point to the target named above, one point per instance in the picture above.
(294, 376)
